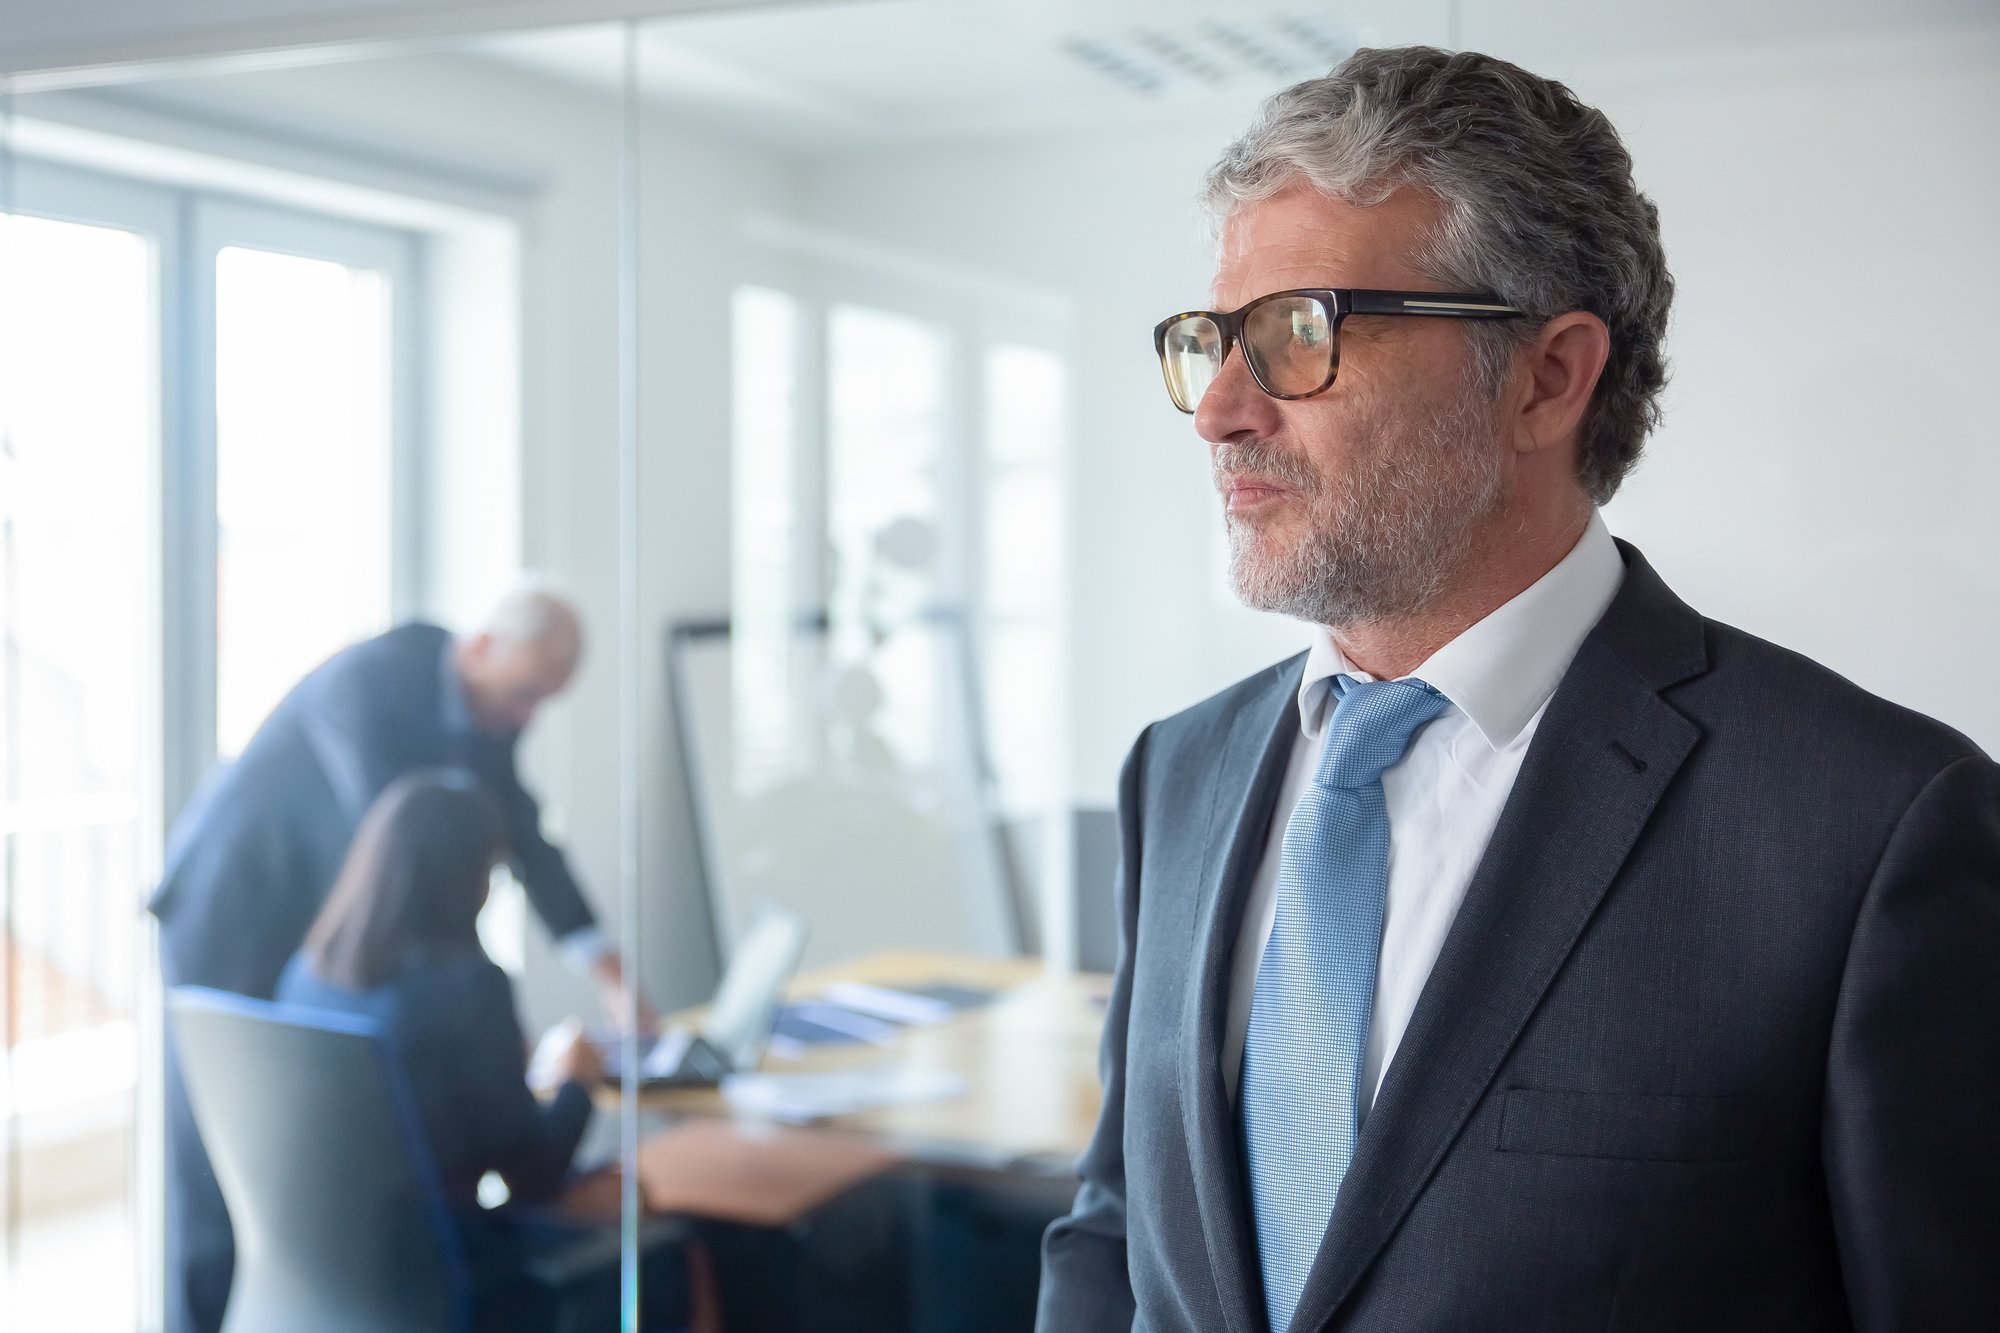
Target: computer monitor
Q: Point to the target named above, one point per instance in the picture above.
(753, 988)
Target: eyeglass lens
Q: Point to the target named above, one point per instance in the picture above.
(1192, 359)
(1289, 341)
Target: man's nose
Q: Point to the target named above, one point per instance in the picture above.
(1234, 407)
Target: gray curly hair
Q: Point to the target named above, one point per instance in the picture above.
(1538, 200)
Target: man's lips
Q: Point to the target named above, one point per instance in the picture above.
(1241, 493)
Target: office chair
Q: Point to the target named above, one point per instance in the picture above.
(338, 1208)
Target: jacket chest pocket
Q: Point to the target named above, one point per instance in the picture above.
(1634, 1126)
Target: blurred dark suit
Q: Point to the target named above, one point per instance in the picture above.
(252, 857)
(461, 1049)
(1710, 1043)
(250, 861)
(452, 1026)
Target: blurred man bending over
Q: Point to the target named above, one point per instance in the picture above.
(250, 860)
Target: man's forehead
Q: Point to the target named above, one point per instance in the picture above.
(1302, 238)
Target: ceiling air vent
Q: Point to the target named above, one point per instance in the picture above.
(1219, 56)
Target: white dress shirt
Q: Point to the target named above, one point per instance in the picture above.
(1444, 797)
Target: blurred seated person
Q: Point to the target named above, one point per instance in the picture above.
(398, 942)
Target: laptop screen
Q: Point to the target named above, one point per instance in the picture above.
(752, 990)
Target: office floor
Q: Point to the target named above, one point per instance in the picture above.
(72, 1271)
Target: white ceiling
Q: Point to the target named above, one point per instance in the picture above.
(860, 73)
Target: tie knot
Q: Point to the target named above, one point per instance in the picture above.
(1372, 724)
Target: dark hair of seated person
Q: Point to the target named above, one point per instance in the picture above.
(414, 882)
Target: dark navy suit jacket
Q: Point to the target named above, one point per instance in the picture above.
(251, 859)
(1713, 1043)
(452, 1026)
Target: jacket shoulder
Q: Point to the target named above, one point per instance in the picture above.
(1752, 681)
(400, 665)
(415, 641)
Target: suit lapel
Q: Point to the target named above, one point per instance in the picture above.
(1249, 773)
(1604, 754)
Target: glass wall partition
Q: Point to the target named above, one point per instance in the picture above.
(308, 367)
(313, 382)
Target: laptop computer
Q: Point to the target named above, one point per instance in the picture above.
(731, 1039)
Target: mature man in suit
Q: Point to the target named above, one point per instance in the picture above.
(1532, 953)
(251, 858)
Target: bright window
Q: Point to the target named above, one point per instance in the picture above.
(302, 466)
(77, 417)
(888, 465)
(898, 474)
(203, 441)
(1025, 550)
(886, 443)
(765, 563)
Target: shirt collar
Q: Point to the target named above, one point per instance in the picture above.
(457, 713)
(1503, 669)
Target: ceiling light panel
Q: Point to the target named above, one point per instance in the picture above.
(1239, 54)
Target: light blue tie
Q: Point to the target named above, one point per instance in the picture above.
(1315, 997)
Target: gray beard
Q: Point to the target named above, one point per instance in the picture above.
(1392, 537)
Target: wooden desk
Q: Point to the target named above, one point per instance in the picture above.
(1028, 1058)
(933, 1210)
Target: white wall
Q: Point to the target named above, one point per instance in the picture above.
(1828, 476)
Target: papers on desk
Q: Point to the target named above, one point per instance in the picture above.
(816, 1023)
(893, 1006)
(797, 1098)
(851, 1012)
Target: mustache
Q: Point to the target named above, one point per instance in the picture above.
(1260, 460)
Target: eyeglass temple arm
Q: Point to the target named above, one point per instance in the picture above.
(1460, 305)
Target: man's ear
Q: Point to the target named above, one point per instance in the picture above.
(1563, 365)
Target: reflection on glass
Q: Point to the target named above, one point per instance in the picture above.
(877, 849)
(886, 409)
(765, 533)
(838, 768)
(302, 473)
(1023, 564)
(76, 398)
